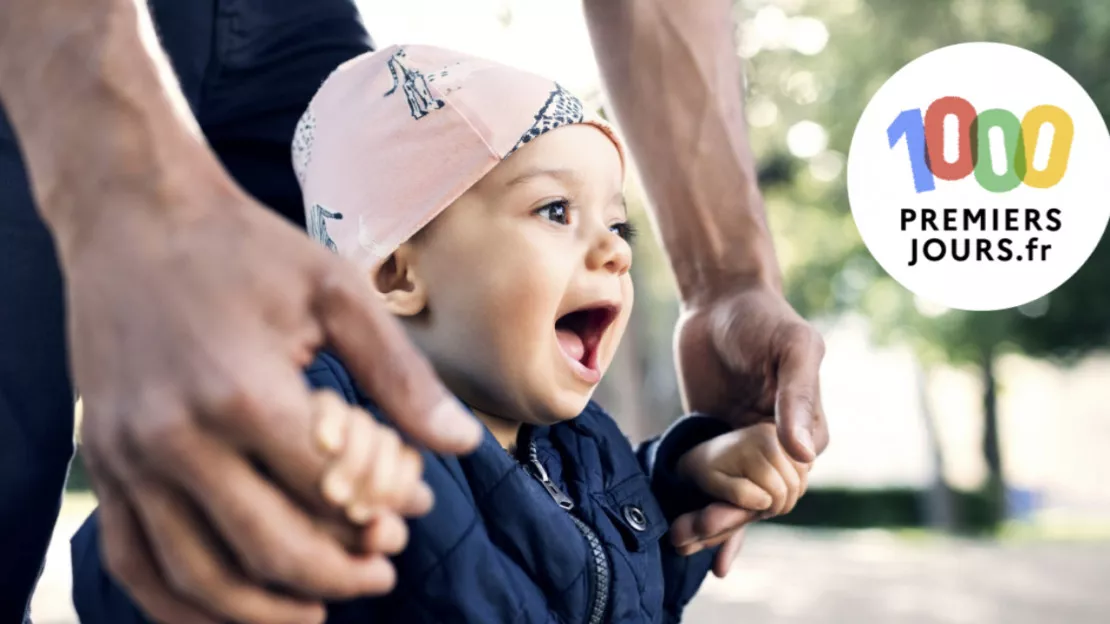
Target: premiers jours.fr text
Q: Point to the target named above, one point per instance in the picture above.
(970, 220)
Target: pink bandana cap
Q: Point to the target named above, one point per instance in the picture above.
(395, 136)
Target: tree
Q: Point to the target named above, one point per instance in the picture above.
(828, 269)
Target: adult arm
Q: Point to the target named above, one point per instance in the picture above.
(674, 81)
(191, 310)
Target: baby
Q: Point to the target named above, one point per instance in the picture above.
(485, 206)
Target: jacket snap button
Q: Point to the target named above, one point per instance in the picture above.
(635, 517)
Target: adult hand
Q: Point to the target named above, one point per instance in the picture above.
(719, 524)
(745, 355)
(192, 311)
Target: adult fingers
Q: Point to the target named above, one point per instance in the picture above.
(708, 542)
(386, 364)
(194, 568)
(728, 553)
(128, 559)
(260, 404)
(801, 423)
(270, 535)
(349, 536)
(715, 519)
(802, 470)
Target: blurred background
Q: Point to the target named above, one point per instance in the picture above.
(967, 479)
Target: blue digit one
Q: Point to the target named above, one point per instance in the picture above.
(910, 124)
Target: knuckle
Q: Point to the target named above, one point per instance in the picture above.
(793, 503)
(805, 400)
(739, 493)
(796, 334)
(801, 338)
(98, 446)
(184, 582)
(334, 286)
(165, 436)
(336, 290)
(237, 402)
(156, 609)
(273, 564)
(124, 565)
(818, 342)
(797, 483)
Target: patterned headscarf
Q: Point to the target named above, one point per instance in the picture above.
(393, 137)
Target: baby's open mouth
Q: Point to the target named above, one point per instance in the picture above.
(579, 333)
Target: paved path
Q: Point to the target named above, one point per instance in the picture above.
(789, 576)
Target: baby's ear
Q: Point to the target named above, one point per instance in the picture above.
(396, 281)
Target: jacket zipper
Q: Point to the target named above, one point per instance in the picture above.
(599, 586)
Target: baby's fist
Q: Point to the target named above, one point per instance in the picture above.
(748, 468)
(371, 470)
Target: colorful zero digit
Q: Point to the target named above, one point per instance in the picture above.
(1063, 133)
(1013, 151)
(965, 115)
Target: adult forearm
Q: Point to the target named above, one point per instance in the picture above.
(95, 106)
(674, 81)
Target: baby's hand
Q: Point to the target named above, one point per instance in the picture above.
(747, 468)
(373, 476)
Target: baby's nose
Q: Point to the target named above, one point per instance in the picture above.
(611, 253)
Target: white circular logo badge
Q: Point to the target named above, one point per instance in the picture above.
(979, 176)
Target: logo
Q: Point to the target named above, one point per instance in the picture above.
(979, 176)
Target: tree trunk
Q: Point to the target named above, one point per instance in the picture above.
(938, 504)
(992, 449)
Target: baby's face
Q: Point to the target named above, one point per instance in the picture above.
(526, 279)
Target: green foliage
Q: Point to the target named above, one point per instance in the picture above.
(893, 508)
(827, 268)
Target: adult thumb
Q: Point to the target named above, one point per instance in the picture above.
(801, 422)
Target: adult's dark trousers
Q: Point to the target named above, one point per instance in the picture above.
(248, 69)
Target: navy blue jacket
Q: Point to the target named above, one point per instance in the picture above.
(571, 530)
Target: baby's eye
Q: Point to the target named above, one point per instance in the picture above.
(625, 230)
(556, 211)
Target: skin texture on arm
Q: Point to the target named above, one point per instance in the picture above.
(674, 80)
(191, 313)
